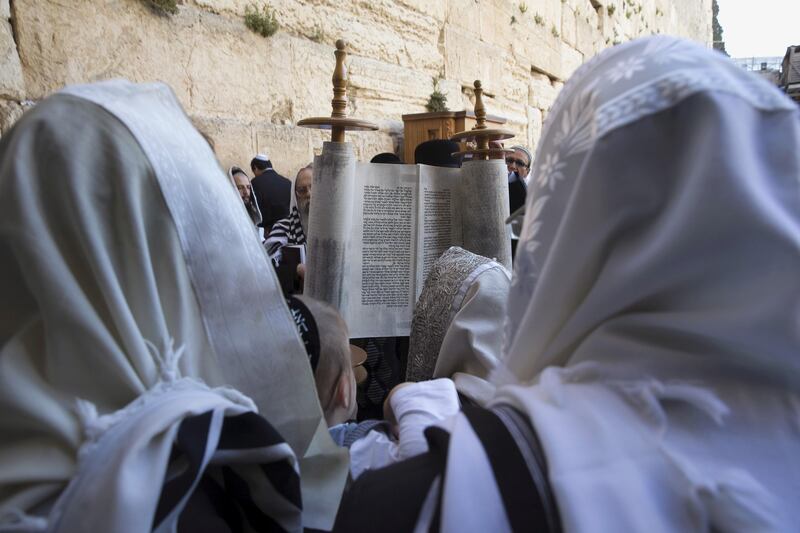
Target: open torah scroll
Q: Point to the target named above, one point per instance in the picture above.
(376, 229)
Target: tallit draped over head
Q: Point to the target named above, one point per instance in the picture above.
(454, 331)
(654, 314)
(252, 207)
(132, 282)
(653, 319)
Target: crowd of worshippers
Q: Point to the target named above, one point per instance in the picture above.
(638, 371)
(280, 208)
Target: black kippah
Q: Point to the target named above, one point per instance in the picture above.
(307, 328)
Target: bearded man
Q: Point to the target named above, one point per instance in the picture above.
(292, 229)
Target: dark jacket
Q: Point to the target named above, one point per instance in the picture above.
(272, 194)
(517, 191)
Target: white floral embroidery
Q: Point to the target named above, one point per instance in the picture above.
(577, 131)
(665, 91)
(625, 69)
(550, 171)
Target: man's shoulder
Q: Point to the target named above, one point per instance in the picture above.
(270, 177)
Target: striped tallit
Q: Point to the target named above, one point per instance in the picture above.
(284, 232)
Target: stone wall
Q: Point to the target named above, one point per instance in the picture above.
(247, 92)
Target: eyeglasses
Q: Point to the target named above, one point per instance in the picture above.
(514, 161)
(303, 190)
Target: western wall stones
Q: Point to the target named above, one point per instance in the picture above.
(248, 92)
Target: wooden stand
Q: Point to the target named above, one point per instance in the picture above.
(421, 127)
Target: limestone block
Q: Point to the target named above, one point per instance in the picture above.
(539, 50)
(534, 130)
(10, 111)
(541, 92)
(515, 84)
(496, 27)
(214, 64)
(571, 59)
(515, 114)
(464, 14)
(452, 90)
(379, 90)
(588, 35)
(381, 30)
(232, 138)
(550, 10)
(467, 59)
(5, 9)
(568, 27)
(290, 148)
(12, 84)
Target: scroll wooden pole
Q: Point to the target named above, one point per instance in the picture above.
(332, 195)
(484, 189)
(338, 122)
(480, 133)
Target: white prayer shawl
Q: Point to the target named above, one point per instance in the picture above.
(653, 326)
(123, 246)
(454, 331)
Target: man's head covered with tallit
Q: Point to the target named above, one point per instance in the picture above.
(141, 324)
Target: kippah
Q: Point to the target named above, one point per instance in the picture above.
(262, 157)
(525, 150)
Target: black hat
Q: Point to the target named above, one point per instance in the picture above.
(386, 157)
(437, 153)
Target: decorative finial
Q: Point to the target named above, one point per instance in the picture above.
(480, 133)
(480, 109)
(338, 122)
(339, 102)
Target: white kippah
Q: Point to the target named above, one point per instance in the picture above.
(524, 150)
(262, 157)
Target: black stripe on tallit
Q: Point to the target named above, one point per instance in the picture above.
(289, 228)
(191, 444)
(438, 444)
(285, 480)
(528, 443)
(523, 505)
(240, 490)
(247, 430)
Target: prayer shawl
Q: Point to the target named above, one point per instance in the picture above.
(252, 206)
(454, 329)
(137, 311)
(286, 231)
(652, 336)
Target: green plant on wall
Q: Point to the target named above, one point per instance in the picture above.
(523, 7)
(537, 18)
(554, 31)
(437, 101)
(163, 7)
(262, 21)
(513, 20)
(611, 9)
(317, 35)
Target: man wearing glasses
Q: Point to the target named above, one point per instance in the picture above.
(518, 164)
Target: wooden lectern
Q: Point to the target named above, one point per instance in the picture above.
(421, 127)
